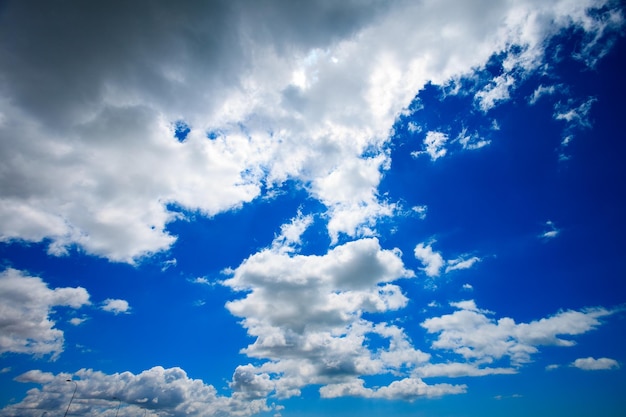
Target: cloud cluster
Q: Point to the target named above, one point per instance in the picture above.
(471, 333)
(93, 100)
(306, 313)
(156, 391)
(26, 325)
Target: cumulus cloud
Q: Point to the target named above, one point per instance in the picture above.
(27, 325)
(471, 333)
(156, 391)
(593, 364)
(115, 306)
(306, 315)
(296, 101)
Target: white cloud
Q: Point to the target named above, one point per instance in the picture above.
(432, 261)
(552, 231)
(472, 142)
(155, 391)
(592, 364)
(421, 211)
(541, 91)
(407, 389)
(27, 305)
(115, 306)
(575, 115)
(296, 101)
(306, 315)
(497, 91)
(76, 321)
(472, 334)
(291, 233)
(458, 369)
(434, 145)
(461, 263)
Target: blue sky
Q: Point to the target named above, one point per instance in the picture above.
(292, 209)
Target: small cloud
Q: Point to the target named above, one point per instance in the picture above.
(552, 231)
(592, 364)
(434, 144)
(115, 306)
(468, 287)
(502, 397)
(552, 367)
(576, 116)
(540, 92)
(202, 281)
(414, 127)
(199, 303)
(432, 261)
(421, 211)
(461, 263)
(77, 320)
(5, 370)
(472, 142)
(168, 264)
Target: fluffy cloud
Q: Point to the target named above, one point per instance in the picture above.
(407, 389)
(306, 315)
(432, 261)
(26, 324)
(592, 364)
(156, 391)
(471, 333)
(115, 306)
(92, 99)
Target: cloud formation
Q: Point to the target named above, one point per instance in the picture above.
(433, 261)
(471, 333)
(27, 325)
(156, 391)
(115, 306)
(593, 364)
(97, 99)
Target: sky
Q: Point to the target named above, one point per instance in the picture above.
(304, 208)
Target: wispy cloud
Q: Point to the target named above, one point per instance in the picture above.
(541, 91)
(433, 261)
(461, 263)
(551, 231)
